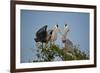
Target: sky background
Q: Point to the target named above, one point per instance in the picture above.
(32, 21)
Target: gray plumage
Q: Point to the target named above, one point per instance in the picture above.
(67, 43)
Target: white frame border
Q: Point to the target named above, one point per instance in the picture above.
(53, 64)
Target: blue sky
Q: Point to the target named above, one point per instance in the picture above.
(32, 20)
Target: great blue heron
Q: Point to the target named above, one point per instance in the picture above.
(44, 36)
(68, 44)
(41, 35)
(54, 33)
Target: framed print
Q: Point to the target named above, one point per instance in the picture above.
(52, 36)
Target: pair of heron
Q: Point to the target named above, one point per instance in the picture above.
(44, 36)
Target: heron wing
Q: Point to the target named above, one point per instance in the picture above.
(41, 32)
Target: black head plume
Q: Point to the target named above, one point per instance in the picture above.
(57, 25)
(66, 25)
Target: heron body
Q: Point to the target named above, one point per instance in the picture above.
(41, 34)
(68, 44)
(54, 33)
(64, 36)
(49, 33)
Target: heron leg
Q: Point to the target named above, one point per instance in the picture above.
(42, 45)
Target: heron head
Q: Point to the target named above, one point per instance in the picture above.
(56, 28)
(46, 25)
(66, 25)
(57, 25)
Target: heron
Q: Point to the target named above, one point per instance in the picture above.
(44, 36)
(41, 35)
(54, 34)
(68, 44)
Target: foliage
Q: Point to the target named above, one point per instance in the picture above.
(45, 53)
